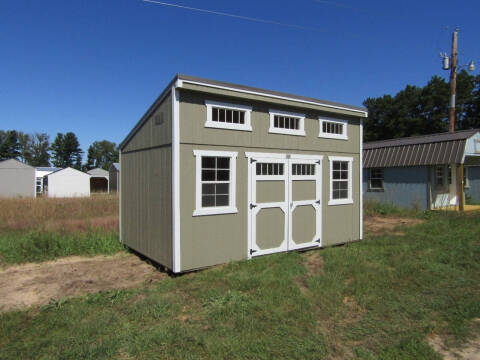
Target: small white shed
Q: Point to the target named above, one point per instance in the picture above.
(67, 182)
(16, 179)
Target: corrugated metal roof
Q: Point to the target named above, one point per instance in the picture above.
(434, 149)
(48, 168)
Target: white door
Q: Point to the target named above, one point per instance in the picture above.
(284, 202)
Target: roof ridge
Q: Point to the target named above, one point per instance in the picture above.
(422, 136)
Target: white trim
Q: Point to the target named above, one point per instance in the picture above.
(349, 200)
(119, 197)
(176, 179)
(360, 193)
(343, 136)
(223, 125)
(364, 113)
(265, 155)
(232, 208)
(275, 130)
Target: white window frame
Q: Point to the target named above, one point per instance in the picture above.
(231, 208)
(349, 199)
(297, 132)
(223, 125)
(343, 136)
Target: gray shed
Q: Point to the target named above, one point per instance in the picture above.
(114, 177)
(16, 179)
(427, 172)
(99, 180)
(215, 172)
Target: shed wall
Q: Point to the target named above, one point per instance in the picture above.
(146, 202)
(473, 190)
(17, 182)
(403, 187)
(68, 183)
(193, 114)
(156, 131)
(216, 239)
(113, 179)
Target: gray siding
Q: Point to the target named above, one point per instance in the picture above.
(16, 179)
(146, 203)
(473, 190)
(113, 179)
(403, 187)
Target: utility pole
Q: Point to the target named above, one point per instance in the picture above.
(453, 81)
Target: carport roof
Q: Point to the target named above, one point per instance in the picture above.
(434, 149)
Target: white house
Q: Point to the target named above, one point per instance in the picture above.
(67, 182)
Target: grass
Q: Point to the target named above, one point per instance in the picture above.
(45, 228)
(376, 299)
(371, 208)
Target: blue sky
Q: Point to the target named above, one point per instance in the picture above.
(94, 67)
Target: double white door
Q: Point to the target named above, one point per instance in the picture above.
(284, 202)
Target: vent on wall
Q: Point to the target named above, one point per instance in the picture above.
(158, 119)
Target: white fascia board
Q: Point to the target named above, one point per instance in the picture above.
(363, 113)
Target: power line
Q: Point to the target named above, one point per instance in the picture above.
(248, 18)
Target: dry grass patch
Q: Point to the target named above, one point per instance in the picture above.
(380, 225)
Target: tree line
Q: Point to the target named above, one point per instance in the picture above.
(423, 110)
(36, 150)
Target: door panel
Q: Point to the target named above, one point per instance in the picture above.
(284, 203)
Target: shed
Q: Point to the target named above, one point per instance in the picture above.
(114, 177)
(216, 171)
(427, 172)
(67, 182)
(40, 173)
(99, 180)
(16, 179)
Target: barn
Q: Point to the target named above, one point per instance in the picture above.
(67, 182)
(16, 179)
(216, 171)
(436, 171)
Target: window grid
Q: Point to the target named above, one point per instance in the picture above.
(340, 180)
(228, 116)
(303, 169)
(439, 176)
(286, 122)
(376, 179)
(215, 181)
(269, 169)
(330, 127)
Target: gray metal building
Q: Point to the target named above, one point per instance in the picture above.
(216, 171)
(114, 177)
(16, 179)
(426, 172)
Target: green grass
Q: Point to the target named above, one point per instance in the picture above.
(34, 246)
(376, 299)
(371, 208)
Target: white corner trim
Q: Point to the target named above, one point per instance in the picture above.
(360, 193)
(343, 136)
(224, 125)
(362, 112)
(232, 208)
(348, 200)
(176, 179)
(274, 130)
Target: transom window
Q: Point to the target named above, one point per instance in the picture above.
(376, 179)
(340, 180)
(269, 169)
(303, 169)
(333, 128)
(228, 116)
(288, 123)
(215, 182)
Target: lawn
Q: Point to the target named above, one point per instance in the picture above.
(380, 298)
(45, 228)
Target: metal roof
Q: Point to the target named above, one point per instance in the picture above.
(116, 166)
(45, 168)
(434, 149)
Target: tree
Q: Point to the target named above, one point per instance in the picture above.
(9, 145)
(39, 150)
(423, 110)
(25, 143)
(101, 154)
(66, 151)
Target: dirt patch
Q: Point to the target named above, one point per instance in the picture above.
(314, 263)
(468, 351)
(35, 284)
(378, 225)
